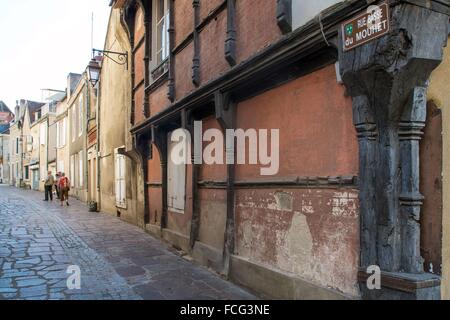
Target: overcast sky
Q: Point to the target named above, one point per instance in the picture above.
(42, 41)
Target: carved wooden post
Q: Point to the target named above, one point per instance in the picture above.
(410, 132)
(196, 59)
(159, 139)
(230, 42)
(367, 135)
(226, 116)
(171, 85)
(386, 79)
(284, 15)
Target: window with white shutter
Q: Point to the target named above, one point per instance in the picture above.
(72, 171)
(80, 169)
(176, 184)
(120, 186)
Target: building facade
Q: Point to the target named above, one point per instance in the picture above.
(121, 189)
(6, 116)
(4, 157)
(77, 140)
(311, 226)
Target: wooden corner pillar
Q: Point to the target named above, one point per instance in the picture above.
(386, 79)
(284, 15)
(188, 123)
(144, 150)
(171, 30)
(230, 41)
(159, 139)
(196, 58)
(226, 116)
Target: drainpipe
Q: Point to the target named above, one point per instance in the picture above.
(88, 108)
(99, 94)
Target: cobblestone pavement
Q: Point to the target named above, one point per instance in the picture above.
(40, 240)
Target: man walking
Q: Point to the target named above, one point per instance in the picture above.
(48, 186)
(64, 188)
(58, 194)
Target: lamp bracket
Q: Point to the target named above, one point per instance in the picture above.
(121, 58)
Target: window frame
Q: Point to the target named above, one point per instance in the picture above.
(158, 61)
(120, 174)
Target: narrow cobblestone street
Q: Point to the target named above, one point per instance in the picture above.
(39, 241)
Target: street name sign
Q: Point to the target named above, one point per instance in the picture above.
(372, 24)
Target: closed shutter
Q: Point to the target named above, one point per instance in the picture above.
(176, 176)
(120, 171)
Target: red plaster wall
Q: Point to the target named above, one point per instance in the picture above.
(159, 100)
(257, 26)
(183, 71)
(212, 49)
(154, 167)
(212, 201)
(207, 6)
(139, 32)
(216, 172)
(213, 214)
(139, 64)
(139, 105)
(184, 19)
(313, 235)
(317, 137)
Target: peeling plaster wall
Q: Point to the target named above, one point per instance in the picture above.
(312, 233)
(438, 93)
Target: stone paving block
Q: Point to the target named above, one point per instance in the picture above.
(118, 261)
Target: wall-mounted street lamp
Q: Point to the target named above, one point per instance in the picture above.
(94, 67)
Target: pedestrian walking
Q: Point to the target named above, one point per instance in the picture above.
(58, 176)
(49, 182)
(64, 188)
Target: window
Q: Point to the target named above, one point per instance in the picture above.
(17, 146)
(43, 133)
(27, 173)
(80, 115)
(176, 183)
(72, 171)
(60, 166)
(73, 122)
(120, 180)
(29, 143)
(80, 169)
(161, 30)
(61, 133)
(303, 11)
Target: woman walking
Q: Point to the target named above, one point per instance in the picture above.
(64, 188)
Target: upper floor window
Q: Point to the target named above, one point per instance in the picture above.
(61, 133)
(303, 11)
(43, 133)
(161, 30)
(80, 115)
(73, 123)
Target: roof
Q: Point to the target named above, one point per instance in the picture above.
(74, 79)
(32, 108)
(4, 107)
